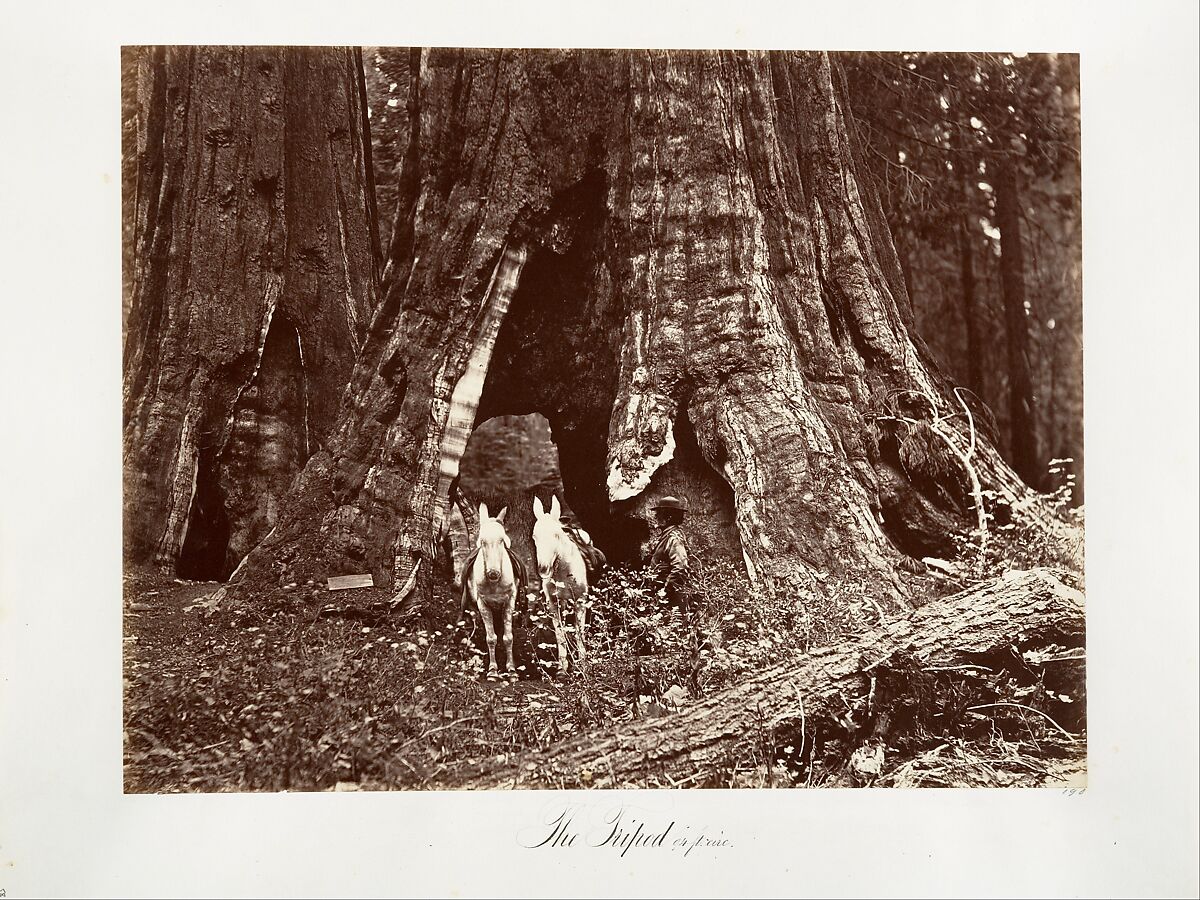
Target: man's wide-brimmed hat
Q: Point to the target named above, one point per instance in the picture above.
(669, 502)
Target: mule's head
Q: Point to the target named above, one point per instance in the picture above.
(493, 541)
(547, 532)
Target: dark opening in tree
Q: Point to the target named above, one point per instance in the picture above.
(206, 541)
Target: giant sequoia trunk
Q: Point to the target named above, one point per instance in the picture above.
(671, 256)
(252, 273)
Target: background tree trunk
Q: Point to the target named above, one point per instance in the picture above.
(252, 272)
(1022, 422)
(969, 310)
(823, 695)
(671, 256)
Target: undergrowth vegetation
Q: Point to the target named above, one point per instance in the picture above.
(1016, 538)
(285, 696)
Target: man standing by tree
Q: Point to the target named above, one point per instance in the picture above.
(670, 554)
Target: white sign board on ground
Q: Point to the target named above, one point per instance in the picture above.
(343, 582)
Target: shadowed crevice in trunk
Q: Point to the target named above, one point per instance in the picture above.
(557, 353)
(202, 556)
(711, 522)
(239, 488)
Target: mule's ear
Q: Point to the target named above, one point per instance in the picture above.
(538, 509)
(500, 515)
(483, 511)
(555, 509)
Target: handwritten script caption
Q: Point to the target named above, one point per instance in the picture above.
(621, 830)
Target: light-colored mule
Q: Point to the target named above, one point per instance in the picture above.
(492, 583)
(564, 578)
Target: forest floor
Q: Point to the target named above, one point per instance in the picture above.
(322, 691)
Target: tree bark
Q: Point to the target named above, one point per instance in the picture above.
(673, 257)
(826, 691)
(1022, 421)
(253, 269)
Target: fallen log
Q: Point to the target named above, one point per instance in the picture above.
(831, 687)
